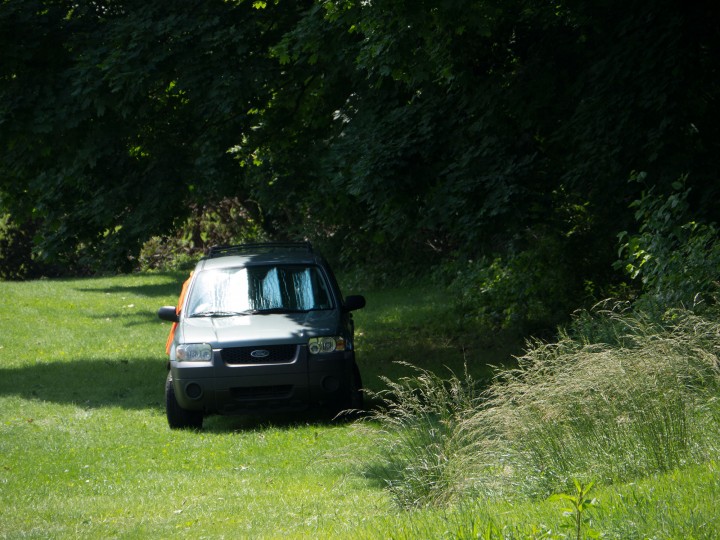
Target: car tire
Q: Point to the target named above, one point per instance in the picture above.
(352, 402)
(177, 417)
(357, 401)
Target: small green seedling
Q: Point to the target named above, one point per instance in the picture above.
(577, 512)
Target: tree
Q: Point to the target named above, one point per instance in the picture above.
(455, 128)
(116, 115)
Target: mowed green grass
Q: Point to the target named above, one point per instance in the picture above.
(85, 450)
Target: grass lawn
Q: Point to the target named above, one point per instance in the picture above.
(85, 450)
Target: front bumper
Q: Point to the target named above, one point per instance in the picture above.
(290, 384)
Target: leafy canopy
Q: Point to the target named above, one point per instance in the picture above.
(477, 129)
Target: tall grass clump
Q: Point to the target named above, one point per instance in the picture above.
(613, 412)
(421, 424)
(640, 398)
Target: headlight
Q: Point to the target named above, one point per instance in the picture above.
(193, 352)
(320, 345)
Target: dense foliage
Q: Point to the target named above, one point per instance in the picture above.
(394, 130)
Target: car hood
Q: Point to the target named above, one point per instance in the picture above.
(258, 329)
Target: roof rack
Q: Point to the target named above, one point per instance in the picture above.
(264, 247)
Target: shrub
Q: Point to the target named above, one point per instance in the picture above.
(675, 258)
(16, 259)
(225, 222)
(531, 290)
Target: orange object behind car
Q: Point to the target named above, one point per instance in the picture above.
(181, 299)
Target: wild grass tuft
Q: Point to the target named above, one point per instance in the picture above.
(422, 435)
(643, 402)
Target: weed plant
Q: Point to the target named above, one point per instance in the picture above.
(575, 409)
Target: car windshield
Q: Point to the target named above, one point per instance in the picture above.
(252, 289)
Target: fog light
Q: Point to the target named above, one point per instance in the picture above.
(193, 391)
(330, 384)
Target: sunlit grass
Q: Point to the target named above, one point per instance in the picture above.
(674, 505)
(100, 473)
(573, 413)
(85, 450)
(84, 445)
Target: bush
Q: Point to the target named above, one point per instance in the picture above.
(530, 291)
(225, 222)
(675, 258)
(16, 259)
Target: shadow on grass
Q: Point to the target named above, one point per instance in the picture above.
(171, 287)
(274, 419)
(130, 317)
(136, 383)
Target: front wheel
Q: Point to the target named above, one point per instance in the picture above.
(352, 403)
(177, 417)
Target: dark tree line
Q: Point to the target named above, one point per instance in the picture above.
(449, 128)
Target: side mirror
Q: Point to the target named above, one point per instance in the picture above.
(354, 302)
(168, 313)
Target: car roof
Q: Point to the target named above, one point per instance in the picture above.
(259, 254)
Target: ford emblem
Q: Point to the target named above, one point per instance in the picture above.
(260, 353)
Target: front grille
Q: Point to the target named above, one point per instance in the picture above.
(261, 392)
(269, 354)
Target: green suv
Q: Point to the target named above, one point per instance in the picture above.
(257, 327)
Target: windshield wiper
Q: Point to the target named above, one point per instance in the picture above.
(271, 311)
(266, 311)
(218, 313)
